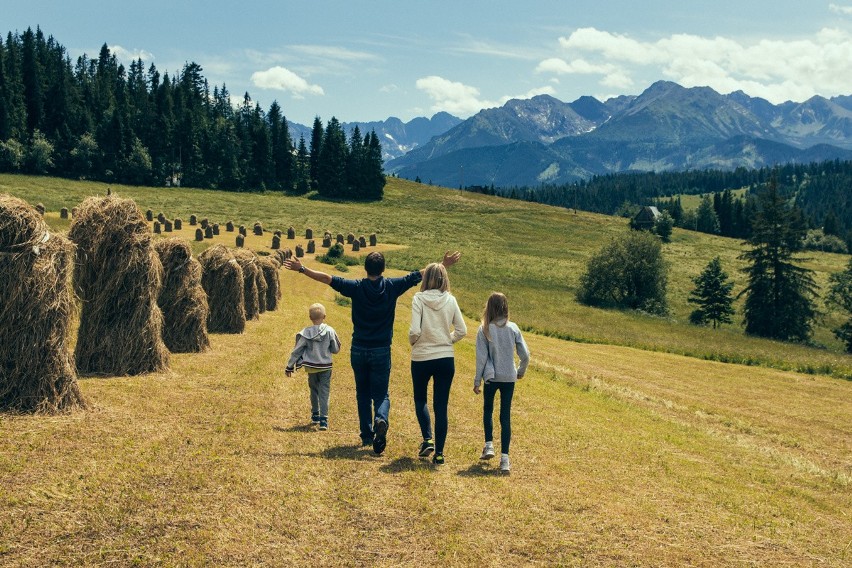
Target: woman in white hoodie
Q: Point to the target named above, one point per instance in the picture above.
(436, 324)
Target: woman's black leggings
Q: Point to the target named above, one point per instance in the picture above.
(442, 370)
(506, 392)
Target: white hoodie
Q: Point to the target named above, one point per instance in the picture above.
(433, 315)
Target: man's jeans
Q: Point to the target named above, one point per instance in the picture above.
(372, 376)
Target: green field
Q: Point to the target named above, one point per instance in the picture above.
(622, 456)
(691, 201)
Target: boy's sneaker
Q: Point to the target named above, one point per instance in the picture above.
(380, 432)
(504, 464)
(323, 423)
(315, 418)
(426, 448)
(438, 459)
(487, 451)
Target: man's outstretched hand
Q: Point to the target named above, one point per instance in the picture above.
(293, 264)
(450, 258)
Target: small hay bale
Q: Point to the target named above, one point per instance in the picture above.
(161, 218)
(278, 233)
(199, 235)
(40, 208)
(242, 230)
(149, 215)
(262, 287)
(208, 232)
(215, 228)
(280, 256)
(167, 226)
(312, 247)
(248, 262)
(309, 234)
(326, 242)
(178, 224)
(300, 252)
(270, 267)
(373, 240)
(193, 220)
(156, 227)
(37, 372)
(222, 280)
(339, 238)
(63, 213)
(327, 235)
(118, 277)
(241, 241)
(73, 212)
(291, 233)
(349, 238)
(182, 298)
(258, 229)
(229, 226)
(356, 246)
(204, 223)
(276, 242)
(362, 241)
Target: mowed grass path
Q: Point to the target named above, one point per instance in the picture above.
(620, 457)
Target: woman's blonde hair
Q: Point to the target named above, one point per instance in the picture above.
(435, 278)
(497, 307)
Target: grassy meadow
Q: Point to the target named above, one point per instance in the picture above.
(625, 451)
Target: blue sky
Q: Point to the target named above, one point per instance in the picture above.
(362, 60)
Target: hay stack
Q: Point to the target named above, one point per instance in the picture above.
(182, 299)
(199, 235)
(373, 240)
(222, 280)
(362, 241)
(63, 213)
(349, 238)
(312, 247)
(248, 262)
(242, 230)
(204, 223)
(178, 224)
(161, 217)
(326, 243)
(37, 371)
(149, 215)
(215, 228)
(339, 238)
(291, 233)
(269, 267)
(258, 229)
(156, 227)
(309, 234)
(241, 241)
(73, 212)
(193, 220)
(208, 232)
(262, 286)
(356, 246)
(276, 242)
(167, 226)
(40, 208)
(118, 277)
(278, 234)
(300, 252)
(229, 226)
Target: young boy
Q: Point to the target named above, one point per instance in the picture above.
(314, 347)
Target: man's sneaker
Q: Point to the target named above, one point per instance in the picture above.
(315, 419)
(366, 441)
(323, 423)
(438, 459)
(504, 464)
(426, 448)
(380, 432)
(487, 451)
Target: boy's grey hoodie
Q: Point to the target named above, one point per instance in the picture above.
(495, 359)
(314, 347)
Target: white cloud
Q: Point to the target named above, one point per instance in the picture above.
(837, 9)
(282, 79)
(778, 70)
(130, 54)
(391, 88)
(464, 100)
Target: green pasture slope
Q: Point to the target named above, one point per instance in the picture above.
(534, 253)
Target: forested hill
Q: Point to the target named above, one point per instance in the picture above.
(94, 119)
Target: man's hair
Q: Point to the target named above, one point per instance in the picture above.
(316, 311)
(374, 264)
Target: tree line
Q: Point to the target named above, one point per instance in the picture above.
(96, 119)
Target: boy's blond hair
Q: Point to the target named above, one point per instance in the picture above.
(316, 312)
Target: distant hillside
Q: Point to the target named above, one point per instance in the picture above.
(666, 128)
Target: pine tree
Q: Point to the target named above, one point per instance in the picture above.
(840, 295)
(331, 170)
(317, 135)
(373, 166)
(712, 294)
(780, 295)
(706, 220)
(302, 183)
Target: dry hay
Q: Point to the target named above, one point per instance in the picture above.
(199, 234)
(167, 226)
(258, 229)
(182, 299)
(222, 280)
(242, 230)
(326, 242)
(300, 252)
(356, 246)
(241, 241)
(63, 213)
(118, 277)
(215, 228)
(37, 371)
(262, 286)
(339, 238)
(193, 220)
(73, 212)
(208, 232)
(248, 262)
(269, 267)
(373, 240)
(327, 235)
(291, 233)
(149, 215)
(349, 238)
(161, 217)
(156, 227)
(276, 242)
(204, 223)
(309, 234)
(362, 241)
(229, 226)
(178, 224)
(312, 247)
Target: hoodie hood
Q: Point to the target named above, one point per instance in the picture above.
(434, 299)
(315, 332)
(374, 291)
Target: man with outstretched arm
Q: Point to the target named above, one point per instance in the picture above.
(373, 309)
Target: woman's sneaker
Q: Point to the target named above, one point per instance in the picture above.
(426, 448)
(505, 468)
(438, 459)
(487, 451)
(380, 435)
(315, 419)
(323, 423)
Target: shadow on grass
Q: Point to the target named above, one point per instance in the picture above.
(479, 469)
(346, 452)
(402, 464)
(295, 428)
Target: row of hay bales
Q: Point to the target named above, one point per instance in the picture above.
(140, 299)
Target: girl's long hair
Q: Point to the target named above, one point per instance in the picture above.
(435, 278)
(497, 307)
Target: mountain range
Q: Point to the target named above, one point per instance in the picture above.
(667, 127)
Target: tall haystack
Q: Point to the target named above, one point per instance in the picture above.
(248, 262)
(182, 299)
(222, 280)
(270, 267)
(118, 277)
(262, 286)
(37, 372)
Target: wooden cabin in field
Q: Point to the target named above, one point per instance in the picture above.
(646, 218)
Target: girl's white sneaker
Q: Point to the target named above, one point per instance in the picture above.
(504, 464)
(487, 451)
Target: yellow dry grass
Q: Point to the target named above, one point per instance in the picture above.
(620, 458)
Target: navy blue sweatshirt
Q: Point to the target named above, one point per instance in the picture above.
(374, 306)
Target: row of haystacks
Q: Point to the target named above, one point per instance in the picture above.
(37, 372)
(182, 298)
